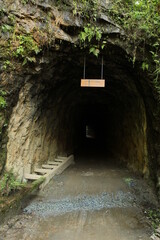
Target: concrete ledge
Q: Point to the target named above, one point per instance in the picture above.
(42, 171)
(59, 169)
(32, 176)
(50, 169)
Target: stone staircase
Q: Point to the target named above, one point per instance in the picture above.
(50, 169)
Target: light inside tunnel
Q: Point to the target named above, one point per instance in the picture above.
(90, 132)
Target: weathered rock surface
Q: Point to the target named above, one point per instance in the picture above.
(47, 110)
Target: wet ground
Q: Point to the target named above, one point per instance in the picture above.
(92, 200)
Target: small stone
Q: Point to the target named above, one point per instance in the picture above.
(154, 237)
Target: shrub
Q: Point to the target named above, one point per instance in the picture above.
(9, 184)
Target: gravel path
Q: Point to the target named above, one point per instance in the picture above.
(79, 203)
(92, 200)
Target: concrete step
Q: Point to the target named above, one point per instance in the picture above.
(59, 160)
(52, 163)
(47, 166)
(61, 157)
(49, 170)
(42, 171)
(32, 176)
(57, 170)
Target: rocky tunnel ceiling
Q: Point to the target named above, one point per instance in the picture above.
(53, 111)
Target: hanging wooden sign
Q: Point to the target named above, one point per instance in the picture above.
(92, 83)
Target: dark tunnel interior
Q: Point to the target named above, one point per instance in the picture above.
(70, 119)
(115, 114)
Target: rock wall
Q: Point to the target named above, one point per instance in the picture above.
(30, 134)
(132, 137)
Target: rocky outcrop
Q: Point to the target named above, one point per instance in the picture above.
(41, 64)
(29, 133)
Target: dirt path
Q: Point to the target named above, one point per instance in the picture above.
(91, 201)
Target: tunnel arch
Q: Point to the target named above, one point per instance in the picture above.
(53, 110)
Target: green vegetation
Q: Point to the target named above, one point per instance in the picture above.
(92, 32)
(26, 49)
(3, 125)
(24, 1)
(91, 35)
(7, 65)
(17, 44)
(7, 28)
(9, 184)
(87, 9)
(11, 203)
(129, 181)
(38, 182)
(21, 47)
(2, 11)
(3, 103)
(154, 216)
(141, 20)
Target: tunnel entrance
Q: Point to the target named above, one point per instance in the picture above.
(53, 113)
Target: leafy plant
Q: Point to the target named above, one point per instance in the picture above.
(11, 18)
(129, 181)
(9, 184)
(92, 32)
(154, 216)
(2, 12)
(7, 28)
(156, 59)
(145, 66)
(27, 48)
(140, 20)
(3, 103)
(7, 65)
(24, 1)
(87, 9)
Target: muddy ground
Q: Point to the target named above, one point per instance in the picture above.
(94, 199)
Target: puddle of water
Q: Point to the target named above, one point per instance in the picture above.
(87, 174)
